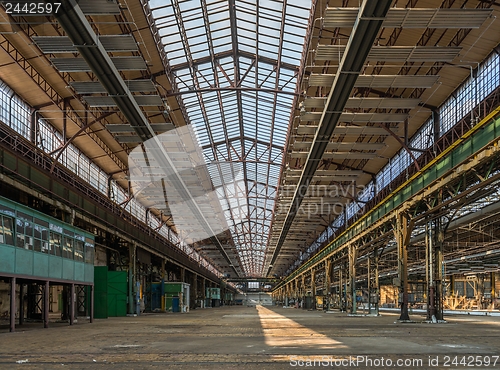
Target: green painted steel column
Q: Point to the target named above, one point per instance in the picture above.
(403, 232)
(438, 268)
(369, 273)
(352, 276)
(377, 287)
(492, 289)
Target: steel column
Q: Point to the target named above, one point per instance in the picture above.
(437, 256)
(328, 282)
(492, 288)
(72, 304)
(313, 287)
(204, 291)
(403, 233)
(21, 304)
(91, 298)
(369, 273)
(341, 289)
(183, 275)
(46, 293)
(353, 256)
(12, 304)
(163, 261)
(377, 287)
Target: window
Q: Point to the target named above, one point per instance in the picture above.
(24, 234)
(89, 251)
(67, 247)
(6, 230)
(55, 244)
(79, 248)
(41, 235)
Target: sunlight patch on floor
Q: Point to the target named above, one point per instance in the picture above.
(281, 331)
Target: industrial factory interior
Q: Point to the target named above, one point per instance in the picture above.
(251, 184)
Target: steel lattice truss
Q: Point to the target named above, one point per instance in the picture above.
(235, 64)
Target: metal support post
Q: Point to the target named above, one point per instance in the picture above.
(163, 285)
(91, 291)
(72, 304)
(341, 289)
(353, 256)
(303, 288)
(328, 282)
(369, 286)
(377, 286)
(12, 304)
(21, 304)
(195, 289)
(183, 274)
(438, 266)
(492, 290)
(203, 292)
(46, 293)
(313, 289)
(452, 285)
(480, 289)
(403, 232)
(429, 273)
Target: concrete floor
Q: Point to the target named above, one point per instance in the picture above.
(253, 338)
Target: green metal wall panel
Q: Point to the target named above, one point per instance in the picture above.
(59, 189)
(23, 169)
(173, 287)
(41, 264)
(89, 272)
(79, 271)
(68, 270)
(101, 292)
(486, 135)
(55, 267)
(117, 293)
(24, 262)
(9, 161)
(40, 179)
(7, 259)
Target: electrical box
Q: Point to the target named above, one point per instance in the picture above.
(177, 297)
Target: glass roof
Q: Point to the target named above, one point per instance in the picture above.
(236, 63)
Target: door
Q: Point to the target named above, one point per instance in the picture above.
(117, 293)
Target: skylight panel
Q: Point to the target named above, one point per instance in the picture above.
(219, 117)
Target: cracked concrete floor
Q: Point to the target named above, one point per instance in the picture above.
(254, 338)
